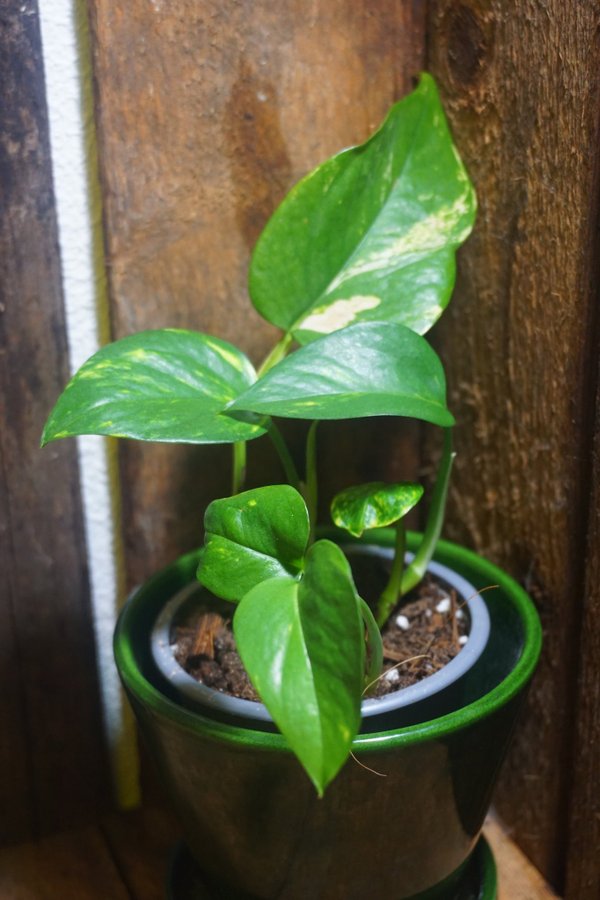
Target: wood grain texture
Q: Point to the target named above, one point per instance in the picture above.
(207, 113)
(51, 759)
(583, 859)
(521, 85)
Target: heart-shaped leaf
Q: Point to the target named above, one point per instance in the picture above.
(372, 233)
(373, 505)
(164, 385)
(302, 644)
(254, 536)
(370, 369)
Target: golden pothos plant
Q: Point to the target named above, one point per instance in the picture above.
(354, 267)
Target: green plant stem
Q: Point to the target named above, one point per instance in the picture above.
(311, 489)
(391, 592)
(435, 519)
(291, 473)
(375, 645)
(239, 467)
(239, 449)
(276, 354)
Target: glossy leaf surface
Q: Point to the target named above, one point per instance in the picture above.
(254, 536)
(302, 644)
(370, 369)
(373, 505)
(165, 385)
(372, 233)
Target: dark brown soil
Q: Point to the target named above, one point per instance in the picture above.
(430, 642)
(205, 646)
(218, 666)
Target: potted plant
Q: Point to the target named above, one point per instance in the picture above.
(322, 790)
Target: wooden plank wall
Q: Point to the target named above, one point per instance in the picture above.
(583, 857)
(521, 83)
(204, 122)
(52, 765)
(206, 114)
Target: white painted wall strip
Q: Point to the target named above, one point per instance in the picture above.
(67, 65)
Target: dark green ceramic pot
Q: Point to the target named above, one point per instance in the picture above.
(251, 817)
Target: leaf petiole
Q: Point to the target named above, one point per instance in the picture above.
(311, 488)
(289, 467)
(276, 354)
(417, 568)
(392, 590)
(239, 467)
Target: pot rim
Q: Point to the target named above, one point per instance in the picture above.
(210, 698)
(448, 553)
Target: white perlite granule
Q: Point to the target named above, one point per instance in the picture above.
(392, 675)
(403, 622)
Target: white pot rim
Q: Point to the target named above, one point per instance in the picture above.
(206, 697)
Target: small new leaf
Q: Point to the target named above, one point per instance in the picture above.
(373, 505)
(254, 536)
(302, 643)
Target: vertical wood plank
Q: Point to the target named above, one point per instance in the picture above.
(207, 113)
(51, 757)
(16, 792)
(583, 860)
(521, 85)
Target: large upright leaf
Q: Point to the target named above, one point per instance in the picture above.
(302, 644)
(165, 385)
(372, 233)
(370, 369)
(254, 536)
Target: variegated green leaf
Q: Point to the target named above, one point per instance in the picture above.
(251, 537)
(302, 643)
(165, 385)
(370, 369)
(373, 505)
(372, 233)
